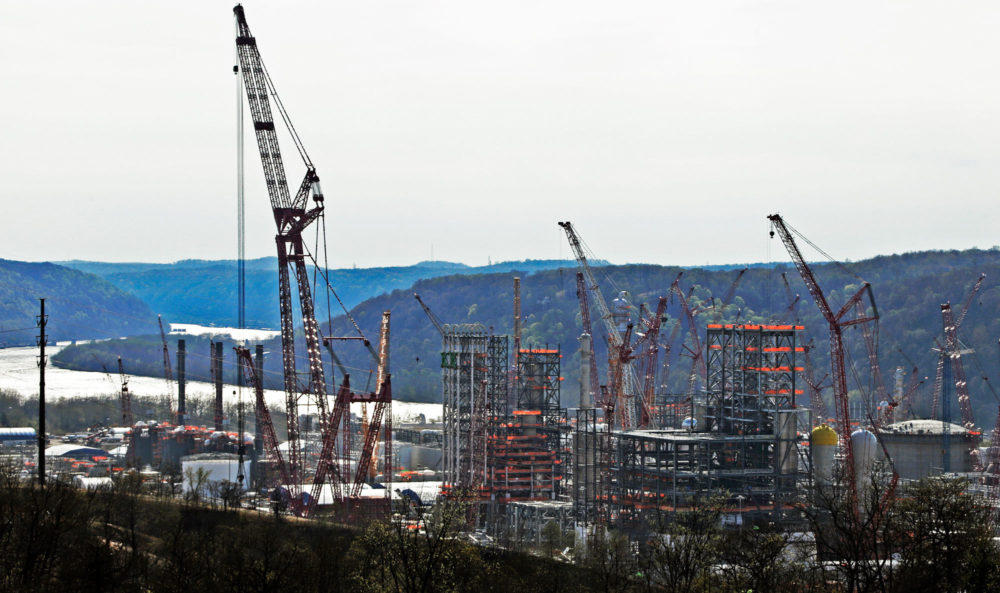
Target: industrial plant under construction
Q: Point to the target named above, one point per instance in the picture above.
(751, 432)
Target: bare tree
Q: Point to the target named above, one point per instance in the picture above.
(684, 547)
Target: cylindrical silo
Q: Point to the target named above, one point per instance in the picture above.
(823, 441)
(865, 447)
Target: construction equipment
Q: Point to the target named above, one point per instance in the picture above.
(815, 386)
(727, 297)
(629, 381)
(291, 216)
(649, 360)
(938, 376)
(430, 314)
(953, 352)
(698, 367)
(168, 372)
(383, 409)
(126, 397)
(837, 323)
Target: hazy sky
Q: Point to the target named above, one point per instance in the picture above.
(666, 131)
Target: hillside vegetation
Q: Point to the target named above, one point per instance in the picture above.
(909, 289)
(79, 305)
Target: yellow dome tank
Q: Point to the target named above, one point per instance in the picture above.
(823, 435)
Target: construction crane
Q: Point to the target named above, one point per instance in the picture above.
(291, 216)
(649, 360)
(255, 381)
(168, 372)
(698, 367)
(126, 397)
(619, 359)
(727, 297)
(383, 409)
(953, 352)
(939, 373)
(615, 339)
(837, 323)
(581, 295)
(815, 386)
(430, 315)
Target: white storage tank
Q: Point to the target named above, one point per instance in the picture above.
(218, 467)
(866, 453)
(823, 441)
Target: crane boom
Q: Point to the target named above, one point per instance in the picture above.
(430, 314)
(168, 373)
(629, 379)
(614, 336)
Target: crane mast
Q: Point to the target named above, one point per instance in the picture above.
(291, 217)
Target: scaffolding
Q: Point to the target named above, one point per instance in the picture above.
(745, 441)
(464, 378)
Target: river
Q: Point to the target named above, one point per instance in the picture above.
(19, 372)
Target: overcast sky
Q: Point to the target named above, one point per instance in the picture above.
(666, 131)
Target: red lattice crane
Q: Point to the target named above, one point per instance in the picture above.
(649, 360)
(837, 323)
(383, 409)
(292, 214)
(629, 380)
(698, 368)
(953, 351)
(245, 361)
(939, 374)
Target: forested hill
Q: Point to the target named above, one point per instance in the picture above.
(204, 291)
(79, 305)
(909, 290)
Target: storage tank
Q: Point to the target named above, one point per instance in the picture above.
(823, 441)
(865, 447)
(218, 466)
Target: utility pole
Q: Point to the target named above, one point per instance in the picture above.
(42, 322)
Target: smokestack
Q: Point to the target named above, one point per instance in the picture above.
(217, 376)
(586, 359)
(181, 411)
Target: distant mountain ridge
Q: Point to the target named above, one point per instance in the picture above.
(78, 305)
(909, 289)
(204, 291)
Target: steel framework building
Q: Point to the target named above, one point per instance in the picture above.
(744, 441)
(464, 378)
